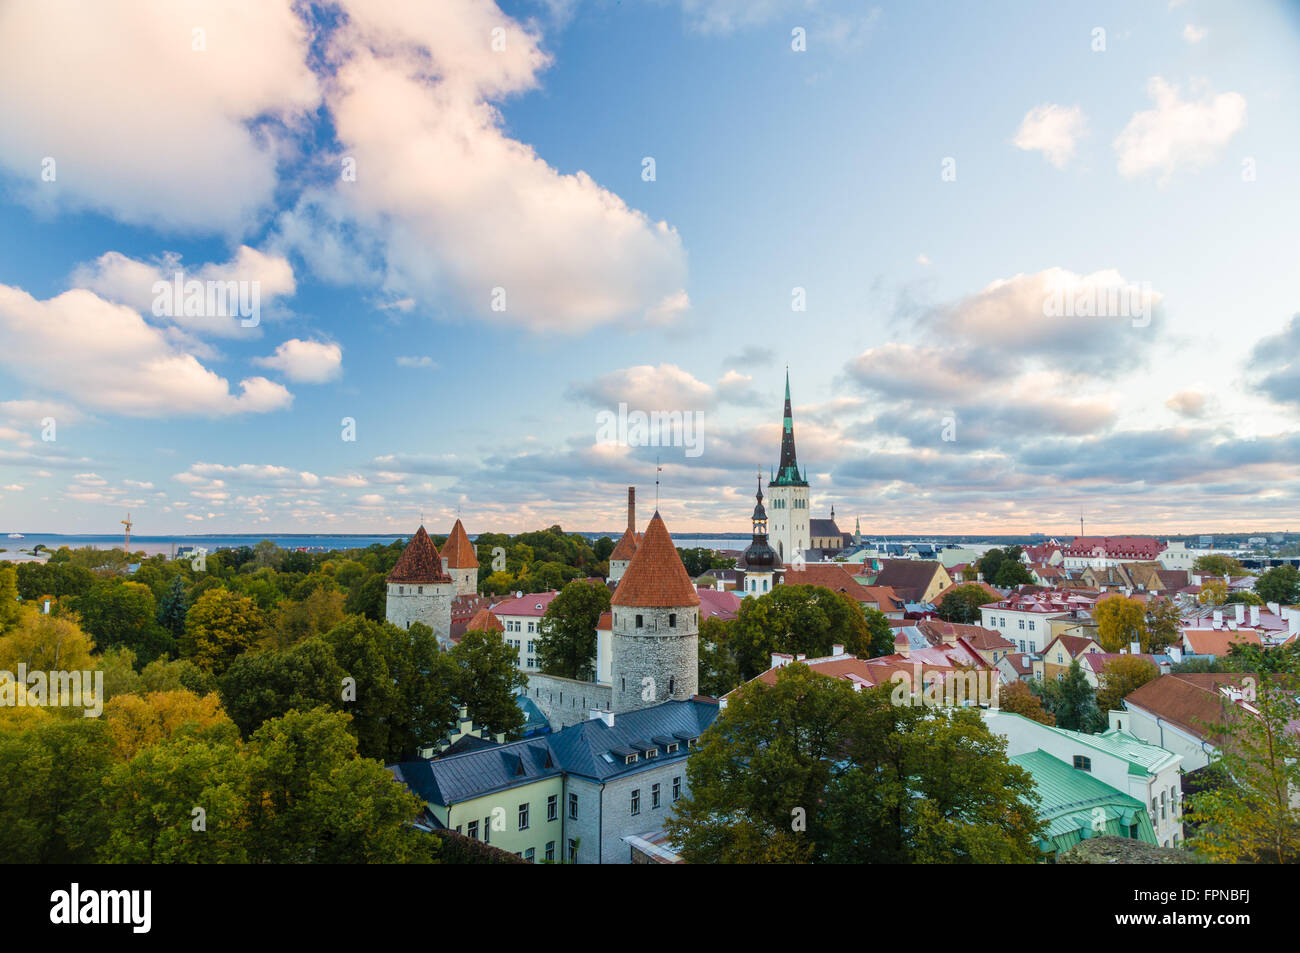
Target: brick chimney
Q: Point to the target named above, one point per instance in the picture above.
(631, 508)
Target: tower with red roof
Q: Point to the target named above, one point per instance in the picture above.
(461, 561)
(420, 588)
(656, 617)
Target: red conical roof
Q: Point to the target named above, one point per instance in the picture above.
(419, 562)
(458, 550)
(485, 621)
(656, 577)
(626, 547)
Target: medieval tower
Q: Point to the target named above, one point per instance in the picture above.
(626, 548)
(420, 589)
(460, 561)
(656, 617)
(788, 526)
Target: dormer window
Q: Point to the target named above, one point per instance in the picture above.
(652, 753)
(630, 759)
(672, 748)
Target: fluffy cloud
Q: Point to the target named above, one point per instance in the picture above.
(125, 280)
(145, 126)
(647, 387)
(456, 207)
(1178, 132)
(106, 357)
(309, 362)
(1194, 34)
(1052, 130)
(1275, 364)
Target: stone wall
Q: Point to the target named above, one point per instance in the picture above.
(566, 701)
(657, 662)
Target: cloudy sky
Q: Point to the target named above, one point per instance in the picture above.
(474, 228)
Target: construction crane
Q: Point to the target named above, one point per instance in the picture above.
(126, 547)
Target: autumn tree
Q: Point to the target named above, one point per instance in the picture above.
(219, 627)
(1216, 564)
(1214, 593)
(1122, 676)
(1018, 699)
(1164, 624)
(1120, 622)
(136, 722)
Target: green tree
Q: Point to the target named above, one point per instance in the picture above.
(172, 609)
(567, 644)
(718, 671)
(1071, 701)
(117, 613)
(259, 686)
(880, 633)
(797, 619)
(961, 604)
(1280, 584)
(1163, 623)
(1214, 564)
(1011, 573)
(486, 679)
(219, 627)
(1248, 816)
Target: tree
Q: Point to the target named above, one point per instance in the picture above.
(1164, 624)
(1214, 592)
(45, 643)
(880, 633)
(808, 770)
(486, 679)
(1072, 701)
(567, 644)
(172, 608)
(1011, 573)
(796, 619)
(1122, 676)
(219, 627)
(1245, 598)
(264, 685)
(316, 613)
(9, 605)
(1248, 816)
(1120, 622)
(961, 604)
(1214, 564)
(990, 563)
(314, 800)
(136, 722)
(1018, 699)
(1280, 584)
(718, 671)
(118, 613)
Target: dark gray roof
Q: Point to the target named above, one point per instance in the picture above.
(821, 528)
(578, 749)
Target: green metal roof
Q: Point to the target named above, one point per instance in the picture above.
(1077, 806)
(1143, 758)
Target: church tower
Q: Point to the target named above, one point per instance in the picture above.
(788, 489)
(760, 558)
(420, 589)
(655, 640)
(461, 561)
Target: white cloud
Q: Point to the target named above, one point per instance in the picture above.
(646, 387)
(309, 362)
(1052, 130)
(413, 361)
(140, 124)
(1178, 132)
(106, 357)
(1194, 34)
(459, 208)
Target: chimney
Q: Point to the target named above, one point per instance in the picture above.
(780, 660)
(1218, 618)
(903, 648)
(599, 715)
(837, 649)
(1254, 615)
(631, 508)
(1135, 648)
(1241, 612)
(949, 634)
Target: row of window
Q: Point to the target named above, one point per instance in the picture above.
(514, 625)
(654, 795)
(530, 854)
(799, 504)
(672, 620)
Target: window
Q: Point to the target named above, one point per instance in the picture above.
(552, 807)
(672, 620)
(1031, 625)
(523, 817)
(401, 590)
(1022, 623)
(636, 801)
(630, 759)
(1022, 645)
(487, 830)
(672, 748)
(1059, 659)
(420, 590)
(1082, 763)
(531, 626)
(639, 622)
(1162, 805)
(530, 855)
(654, 795)
(652, 753)
(473, 829)
(531, 644)
(677, 787)
(550, 850)
(573, 851)
(672, 684)
(573, 806)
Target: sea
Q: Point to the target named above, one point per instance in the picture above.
(18, 549)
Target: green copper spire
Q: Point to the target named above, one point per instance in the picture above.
(787, 473)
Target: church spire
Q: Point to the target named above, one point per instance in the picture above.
(787, 473)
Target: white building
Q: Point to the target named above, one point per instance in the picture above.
(521, 617)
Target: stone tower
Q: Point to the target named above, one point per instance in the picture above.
(655, 639)
(420, 589)
(626, 548)
(788, 524)
(461, 562)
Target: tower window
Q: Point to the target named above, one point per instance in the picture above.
(672, 683)
(638, 621)
(672, 620)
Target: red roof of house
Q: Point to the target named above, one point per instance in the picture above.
(419, 562)
(1189, 700)
(1136, 547)
(833, 577)
(977, 636)
(530, 603)
(485, 621)
(655, 578)
(718, 604)
(1076, 645)
(458, 550)
(1218, 641)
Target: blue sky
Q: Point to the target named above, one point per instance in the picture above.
(1157, 156)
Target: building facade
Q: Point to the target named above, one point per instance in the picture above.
(789, 522)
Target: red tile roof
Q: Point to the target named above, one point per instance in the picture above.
(985, 640)
(458, 550)
(626, 547)
(714, 604)
(1218, 641)
(485, 621)
(1076, 645)
(419, 562)
(1189, 700)
(530, 603)
(1136, 547)
(833, 577)
(656, 577)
